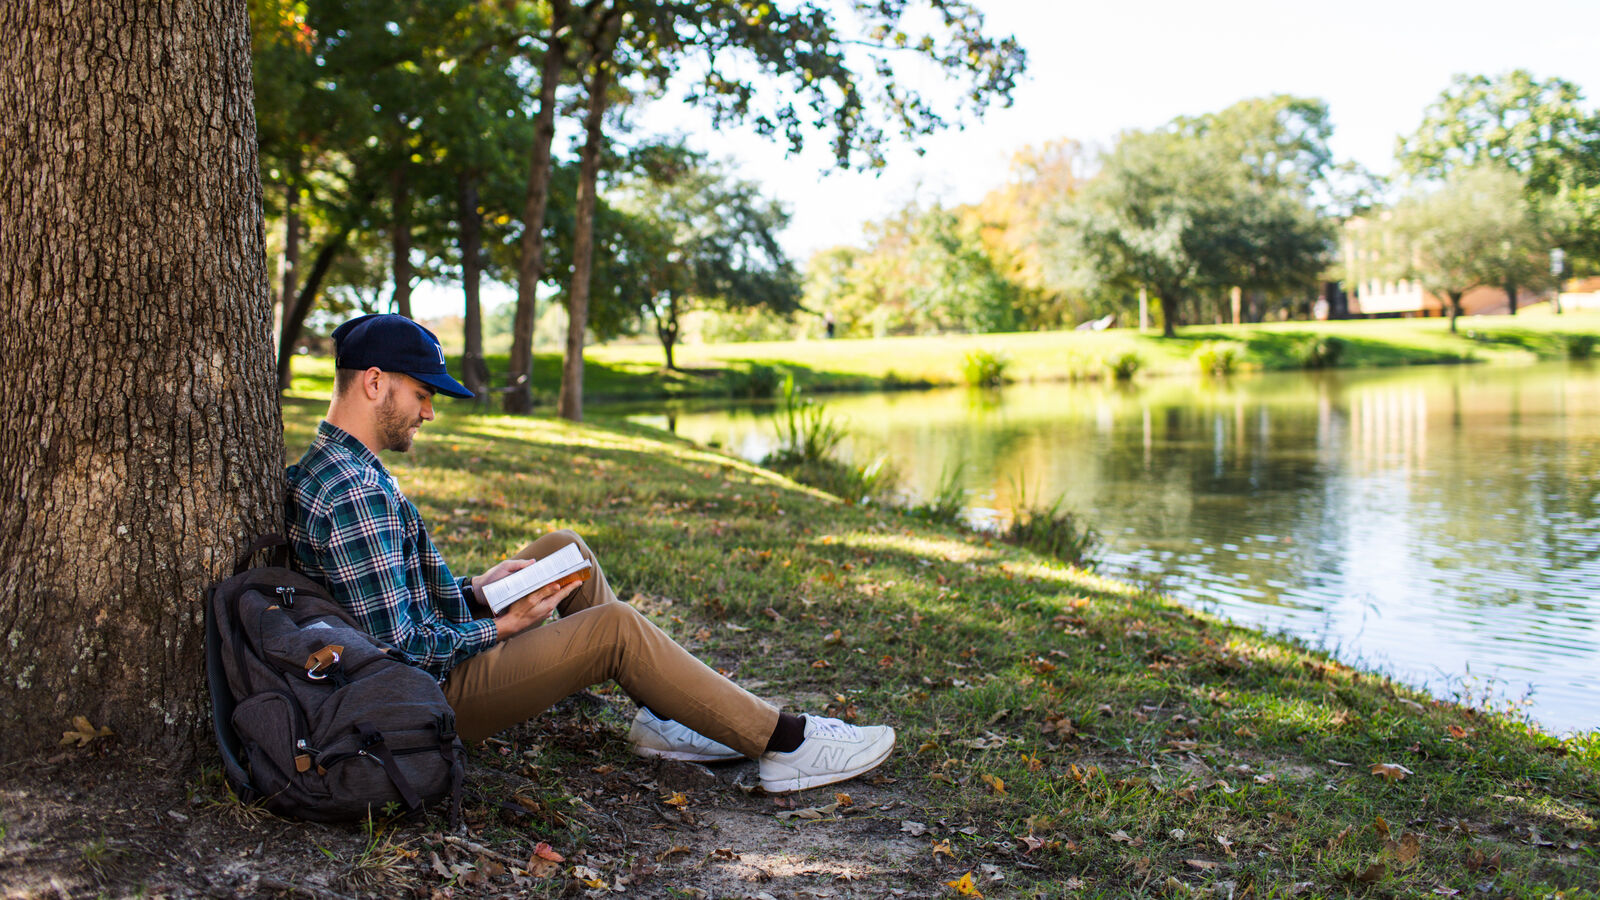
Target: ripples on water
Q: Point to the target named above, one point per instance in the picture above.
(1439, 524)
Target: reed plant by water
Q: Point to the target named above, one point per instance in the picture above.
(1125, 365)
(981, 368)
(1218, 358)
(1051, 529)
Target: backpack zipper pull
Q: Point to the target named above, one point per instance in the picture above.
(286, 596)
(302, 760)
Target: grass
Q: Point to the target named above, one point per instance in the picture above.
(1078, 735)
(620, 372)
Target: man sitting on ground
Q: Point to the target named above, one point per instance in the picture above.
(353, 531)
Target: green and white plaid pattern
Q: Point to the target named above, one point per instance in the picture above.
(353, 531)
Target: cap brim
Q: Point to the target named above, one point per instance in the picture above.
(444, 384)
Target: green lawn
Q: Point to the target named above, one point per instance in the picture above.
(1060, 733)
(635, 372)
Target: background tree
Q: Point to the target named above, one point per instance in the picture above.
(1188, 212)
(706, 237)
(1474, 229)
(1537, 129)
(145, 448)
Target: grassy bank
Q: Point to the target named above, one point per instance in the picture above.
(1060, 733)
(634, 372)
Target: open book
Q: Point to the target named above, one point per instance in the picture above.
(563, 566)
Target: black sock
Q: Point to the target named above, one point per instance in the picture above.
(789, 733)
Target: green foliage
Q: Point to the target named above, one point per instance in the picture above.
(755, 381)
(1125, 365)
(981, 368)
(1205, 205)
(1540, 130)
(1581, 346)
(806, 433)
(1321, 352)
(948, 504)
(1051, 529)
(1476, 228)
(702, 236)
(1218, 358)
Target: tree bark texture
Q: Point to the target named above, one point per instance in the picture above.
(475, 371)
(570, 403)
(530, 265)
(144, 445)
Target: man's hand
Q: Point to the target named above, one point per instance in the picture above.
(501, 570)
(530, 610)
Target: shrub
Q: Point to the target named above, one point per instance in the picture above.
(1124, 367)
(1581, 346)
(948, 505)
(1052, 530)
(757, 382)
(806, 433)
(984, 369)
(1321, 352)
(1217, 358)
(850, 483)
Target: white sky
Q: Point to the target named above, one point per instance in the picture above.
(1097, 68)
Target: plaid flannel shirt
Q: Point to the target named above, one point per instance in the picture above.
(353, 531)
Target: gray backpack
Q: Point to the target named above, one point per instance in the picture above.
(315, 718)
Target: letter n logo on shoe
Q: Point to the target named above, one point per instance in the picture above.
(827, 759)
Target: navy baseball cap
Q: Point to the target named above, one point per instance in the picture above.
(395, 344)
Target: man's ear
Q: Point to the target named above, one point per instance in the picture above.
(372, 383)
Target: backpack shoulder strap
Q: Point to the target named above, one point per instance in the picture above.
(270, 541)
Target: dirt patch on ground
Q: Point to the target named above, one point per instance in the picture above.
(92, 824)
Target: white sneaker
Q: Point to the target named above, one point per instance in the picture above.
(832, 751)
(664, 738)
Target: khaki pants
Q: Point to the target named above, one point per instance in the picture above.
(599, 638)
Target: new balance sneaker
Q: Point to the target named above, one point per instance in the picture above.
(832, 751)
(664, 738)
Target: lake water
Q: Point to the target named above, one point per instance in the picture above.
(1441, 524)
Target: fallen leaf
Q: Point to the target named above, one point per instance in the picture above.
(995, 784)
(1186, 794)
(1372, 873)
(83, 733)
(545, 861)
(1031, 842)
(1339, 838)
(843, 800)
(1390, 772)
(1381, 826)
(915, 829)
(1227, 845)
(670, 852)
(1407, 849)
(927, 747)
(810, 813)
(822, 664)
(964, 886)
(677, 799)
(943, 847)
(1202, 864)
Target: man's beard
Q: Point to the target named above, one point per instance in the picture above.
(394, 428)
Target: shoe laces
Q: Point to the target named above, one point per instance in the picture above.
(833, 729)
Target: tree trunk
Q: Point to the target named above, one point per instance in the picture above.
(400, 207)
(1169, 313)
(291, 235)
(473, 367)
(294, 318)
(667, 329)
(1455, 308)
(530, 266)
(1511, 296)
(570, 404)
(144, 448)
